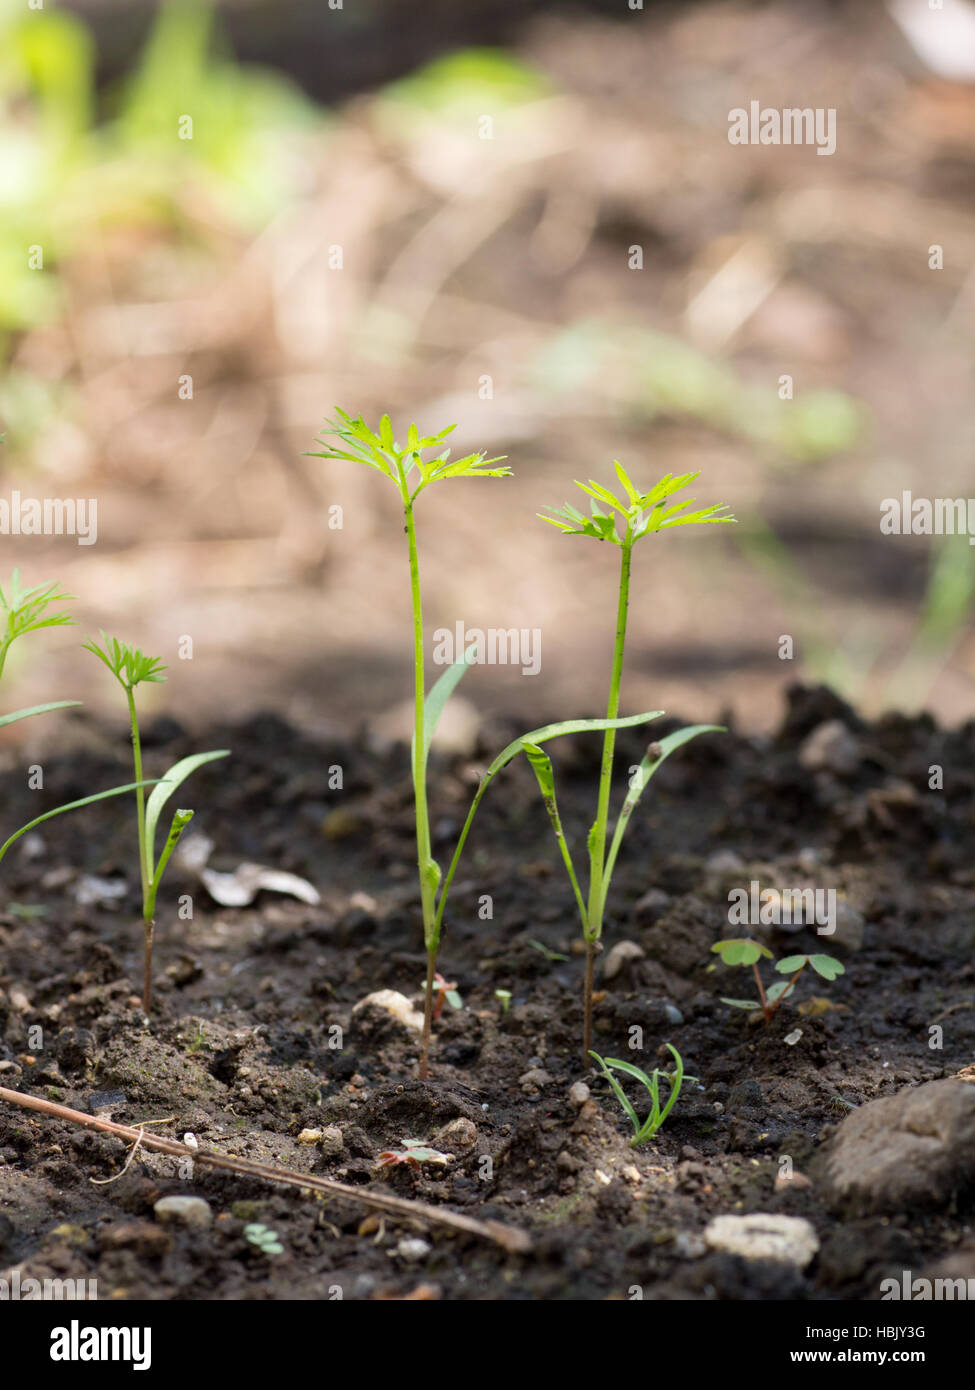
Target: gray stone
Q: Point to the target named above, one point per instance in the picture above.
(184, 1211)
(578, 1093)
(914, 1149)
(830, 748)
(622, 954)
(787, 1240)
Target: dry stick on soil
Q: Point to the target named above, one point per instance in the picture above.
(509, 1237)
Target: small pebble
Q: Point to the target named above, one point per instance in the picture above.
(796, 1181)
(538, 1076)
(623, 953)
(393, 1003)
(332, 1141)
(184, 1211)
(459, 1134)
(764, 1236)
(413, 1248)
(830, 748)
(689, 1245)
(578, 1093)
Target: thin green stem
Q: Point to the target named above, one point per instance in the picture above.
(424, 855)
(423, 847)
(770, 1009)
(597, 836)
(140, 804)
(461, 841)
(556, 819)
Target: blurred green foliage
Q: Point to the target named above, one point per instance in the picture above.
(66, 176)
(457, 89)
(649, 375)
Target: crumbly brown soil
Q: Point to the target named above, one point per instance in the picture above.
(240, 1050)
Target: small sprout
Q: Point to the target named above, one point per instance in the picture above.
(131, 667)
(26, 611)
(263, 1239)
(645, 1129)
(551, 956)
(744, 951)
(444, 991)
(413, 1152)
(503, 996)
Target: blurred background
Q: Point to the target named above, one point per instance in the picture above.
(525, 217)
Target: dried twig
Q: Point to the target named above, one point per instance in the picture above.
(509, 1237)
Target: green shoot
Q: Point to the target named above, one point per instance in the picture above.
(412, 1153)
(131, 668)
(411, 473)
(743, 951)
(444, 992)
(645, 1129)
(263, 1239)
(622, 521)
(25, 610)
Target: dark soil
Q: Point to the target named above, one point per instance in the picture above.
(242, 1051)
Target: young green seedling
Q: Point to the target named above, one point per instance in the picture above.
(263, 1239)
(744, 951)
(503, 996)
(629, 519)
(131, 668)
(413, 1152)
(444, 992)
(645, 1129)
(411, 473)
(26, 610)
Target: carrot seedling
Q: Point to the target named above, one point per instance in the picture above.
(411, 473)
(744, 951)
(629, 518)
(131, 668)
(645, 1129)
(26, 610)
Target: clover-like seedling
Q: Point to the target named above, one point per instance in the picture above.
(412, 1152)
(645, 1129)
(131, 668)
(743, 951)
(263, 1239)
(444, 992)
(622, 521)
(411, 473)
